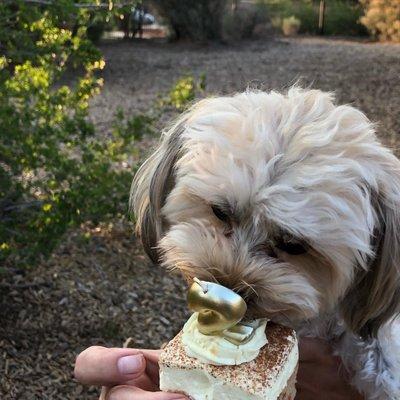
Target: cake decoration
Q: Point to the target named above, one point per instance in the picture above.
(215, 333)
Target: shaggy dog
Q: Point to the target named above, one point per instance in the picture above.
(291, 201)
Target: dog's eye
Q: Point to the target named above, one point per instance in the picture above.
(221, 215)
(291, 247)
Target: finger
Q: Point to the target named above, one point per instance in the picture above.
(152, 368)
(308, 380)
(327, 381)
(152, 356)
(310, 347)
(144, 382)
(102, 366)
(133, 393)
(316, 351)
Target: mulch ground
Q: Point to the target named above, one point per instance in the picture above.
(99, 288)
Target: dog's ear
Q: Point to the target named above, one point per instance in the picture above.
(375, 297)
(150, 187)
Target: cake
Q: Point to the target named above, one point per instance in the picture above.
(222, 355)
(271, 375)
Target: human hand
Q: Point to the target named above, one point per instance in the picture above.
(125, 374)
(321, 374)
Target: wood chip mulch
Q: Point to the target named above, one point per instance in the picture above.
(99, 291)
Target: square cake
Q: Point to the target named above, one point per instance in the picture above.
(270, 376)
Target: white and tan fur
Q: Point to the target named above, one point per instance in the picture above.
(291, 201)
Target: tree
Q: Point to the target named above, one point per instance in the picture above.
(196, 20)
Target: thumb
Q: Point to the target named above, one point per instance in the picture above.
(102, 366)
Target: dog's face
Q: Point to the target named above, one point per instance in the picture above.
(288, 200)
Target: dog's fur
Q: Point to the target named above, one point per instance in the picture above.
(291, 201)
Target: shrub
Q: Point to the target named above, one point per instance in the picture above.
(382, 18)
(95, 29)
(54, 171)
(290, 26)
(197, 20)
(276, 22)
(341, 16)
(183, 92)
(241, 23)
(303, 10)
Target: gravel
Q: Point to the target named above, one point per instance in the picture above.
(98, 287)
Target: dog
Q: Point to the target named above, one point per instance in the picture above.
(291, 201)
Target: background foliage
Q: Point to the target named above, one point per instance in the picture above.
(342, 17)
(382, 18)
(54, 171)
(194, 20)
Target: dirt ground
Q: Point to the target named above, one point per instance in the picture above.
(363, 74)
(102, 290)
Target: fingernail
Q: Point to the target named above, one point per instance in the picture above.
(130, 364)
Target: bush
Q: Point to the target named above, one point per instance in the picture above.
(95, 29)
(341, 16)
(382, 18)
(184, 92)
(303, 10)
(290, 26)
(240, 24)
(54, 171)
(197, 20)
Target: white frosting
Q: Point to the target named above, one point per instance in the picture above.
(217, 350)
